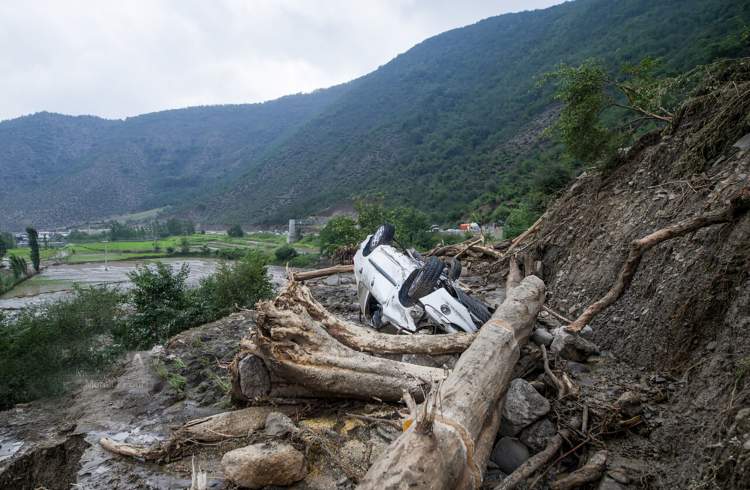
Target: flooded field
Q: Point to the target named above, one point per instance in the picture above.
(57, 281)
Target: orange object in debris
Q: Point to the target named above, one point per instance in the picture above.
(464, 226)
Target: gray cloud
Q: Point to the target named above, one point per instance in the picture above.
(118, 59)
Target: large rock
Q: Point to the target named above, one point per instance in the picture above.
(508, 454)
(260, 465)
(537, 435)
(542, 337)
(523, 406)
(572, 347)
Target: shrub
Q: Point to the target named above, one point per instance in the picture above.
(340, 231)
(241, 284)
(235, 231)
(305, 260)
(184, 245)
(43, 347)
(159, 296)
(285, 253)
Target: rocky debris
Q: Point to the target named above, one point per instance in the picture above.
(279, 425)
(742, 420)
(537, 435)
(509, 453)
(523, 406)
(541, 336)
(609, 483)
(572, 347)
(629, 404)
(263, 464)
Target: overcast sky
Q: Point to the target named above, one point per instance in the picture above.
(118, 58)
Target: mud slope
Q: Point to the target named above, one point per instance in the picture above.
(687, 314)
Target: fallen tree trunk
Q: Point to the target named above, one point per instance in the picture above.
(449, 451)
(737, 206)
(329, 271)
(297, 297)
(291, 345)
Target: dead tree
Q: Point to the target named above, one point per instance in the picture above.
(451, 447)
(738, 205)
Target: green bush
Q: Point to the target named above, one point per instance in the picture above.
(285, 253)
(43, 347)
(235, 231)
(305, 260)
(238, 285)
(159, 296)
(340, 231)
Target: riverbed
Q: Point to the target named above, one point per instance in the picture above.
(57, 281)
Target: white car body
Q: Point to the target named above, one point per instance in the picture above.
(380, 276)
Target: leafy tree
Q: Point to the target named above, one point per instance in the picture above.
(589, 94)
(3, 247)
(285, 253)
(340, 231)
(519, 220)
(34, 246)
(235, 231)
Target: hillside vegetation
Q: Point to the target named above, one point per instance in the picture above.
(452, 125)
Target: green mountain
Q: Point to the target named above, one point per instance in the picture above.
(454, 120)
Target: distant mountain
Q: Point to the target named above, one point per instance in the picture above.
(451, 120)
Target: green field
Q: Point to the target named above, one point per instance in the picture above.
(77, 253)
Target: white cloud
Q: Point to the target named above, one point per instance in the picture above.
(117, 59)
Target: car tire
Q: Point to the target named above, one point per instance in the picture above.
(478, 309)
(426, 280)
(455, 269)
(382, 236)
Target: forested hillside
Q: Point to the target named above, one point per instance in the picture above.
(451, 124)
(57, 170)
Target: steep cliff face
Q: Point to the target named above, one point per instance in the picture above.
(687, 313)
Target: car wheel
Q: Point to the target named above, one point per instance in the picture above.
(426, 280)
(455, 269)
(382, 236)
(478, 309)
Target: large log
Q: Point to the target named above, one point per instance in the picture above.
(291, 345)
(450, 452)
(297, 297)
(328, 271)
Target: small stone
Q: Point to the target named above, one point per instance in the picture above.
(743, 143)
(572, 347)
(576, 368)
(260, 465)
(332, 280)
(746, 446)
(742, 419)
(619, 476)
(537, 435)
(509, 453)
(609, 483)
(587, 332)
(542, 337)
(279, 425)
(629, 404)
(523, 406)
(711, 346)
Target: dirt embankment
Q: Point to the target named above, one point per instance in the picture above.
(687, 313)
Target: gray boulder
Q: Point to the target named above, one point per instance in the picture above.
(537, 435)
(523, 406)
(572, 347)
(508, 454)
(260, 465)
(541, 336)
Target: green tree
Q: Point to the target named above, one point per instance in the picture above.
(3, 247)
(589, 94)
(34, 246)
(235, 231)
(340, 231)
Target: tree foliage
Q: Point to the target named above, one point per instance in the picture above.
(235, 231)
(34, 246)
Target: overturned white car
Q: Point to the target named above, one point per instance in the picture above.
(411, 293)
